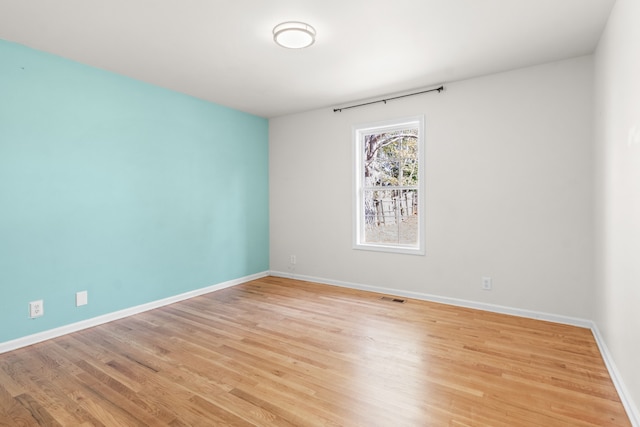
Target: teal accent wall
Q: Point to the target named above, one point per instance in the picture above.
(129, 191)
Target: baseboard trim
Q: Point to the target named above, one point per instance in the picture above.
(95, 321)
(627, 402)
(625, 396)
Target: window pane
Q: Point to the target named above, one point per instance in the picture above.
(391, 216)
(391, 158)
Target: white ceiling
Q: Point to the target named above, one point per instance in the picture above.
(222, 50)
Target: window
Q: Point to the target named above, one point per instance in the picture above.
(388, 181)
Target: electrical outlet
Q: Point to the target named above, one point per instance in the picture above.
(81, 298)
(292, 260)
(36, 309)
(486, 283)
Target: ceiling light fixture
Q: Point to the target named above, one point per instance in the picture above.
(294, 35)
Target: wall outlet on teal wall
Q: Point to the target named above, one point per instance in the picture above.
(36, 309)
(82, 298)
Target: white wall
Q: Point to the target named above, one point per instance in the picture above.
(617, 118)
(509, 192)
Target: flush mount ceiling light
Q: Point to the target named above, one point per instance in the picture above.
(294, 35)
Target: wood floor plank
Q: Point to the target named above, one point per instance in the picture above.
(12, 413)
(283, 352)
(37, 411)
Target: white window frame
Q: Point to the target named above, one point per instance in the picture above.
(359, 132)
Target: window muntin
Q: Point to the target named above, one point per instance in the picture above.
(388, 186)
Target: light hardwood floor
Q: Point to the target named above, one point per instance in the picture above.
(281, 352)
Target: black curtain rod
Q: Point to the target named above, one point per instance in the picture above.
(338, 110)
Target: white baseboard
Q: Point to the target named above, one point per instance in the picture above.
(89, 323)
(625, 397)
(629, 405)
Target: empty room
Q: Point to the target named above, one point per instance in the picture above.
(320, 213)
